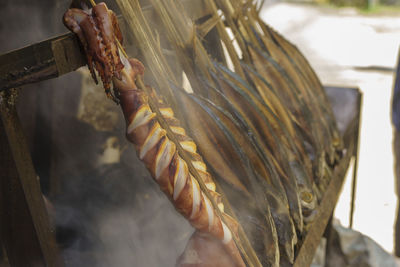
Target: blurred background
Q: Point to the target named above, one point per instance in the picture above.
(355, 47)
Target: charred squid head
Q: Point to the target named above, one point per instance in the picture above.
(98, 31)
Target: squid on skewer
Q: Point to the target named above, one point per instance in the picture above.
(98, 31)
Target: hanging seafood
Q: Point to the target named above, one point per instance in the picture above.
(261, 123)
(95, 28)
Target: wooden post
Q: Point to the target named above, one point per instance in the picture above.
(25, 230)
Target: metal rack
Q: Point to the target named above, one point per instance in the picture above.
(26, 233)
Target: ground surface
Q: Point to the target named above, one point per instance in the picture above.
(347, 48)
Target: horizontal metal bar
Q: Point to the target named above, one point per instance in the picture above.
(41, 61)
(62, 54)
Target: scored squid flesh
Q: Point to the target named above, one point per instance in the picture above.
(162, 159)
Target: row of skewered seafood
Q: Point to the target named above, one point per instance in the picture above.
(257, 114)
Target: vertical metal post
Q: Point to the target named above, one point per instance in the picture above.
(355, 165)
(25, 231)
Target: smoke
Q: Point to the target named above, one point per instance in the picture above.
(106, 208)
(119, 217)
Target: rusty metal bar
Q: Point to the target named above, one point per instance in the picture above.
(60, 55)
(355, 165)
(25, 230)
(41, 61)
(325, 210)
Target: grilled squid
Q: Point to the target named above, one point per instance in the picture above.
(167, 167)
(154, 148)
(98, 32)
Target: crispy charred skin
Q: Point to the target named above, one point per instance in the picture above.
(97, 30)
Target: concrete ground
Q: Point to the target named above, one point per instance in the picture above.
(347, 48)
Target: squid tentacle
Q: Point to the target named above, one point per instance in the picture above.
(97, 31)
(72, 19)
